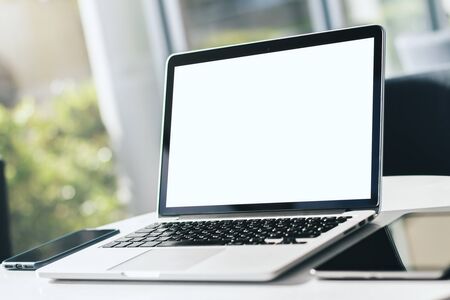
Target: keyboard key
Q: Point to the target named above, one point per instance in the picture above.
(300, 241)
(137, 239)
(273, 241)
(154, 234)
(135, 244)
(110, 245)
(150, 239)
(149, 244)
(136, 235)
(122, 245)
(342, 219)
(146, 230)
(166, 233)
(191, 243)
(124, 239)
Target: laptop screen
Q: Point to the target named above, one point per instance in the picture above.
(278, 127)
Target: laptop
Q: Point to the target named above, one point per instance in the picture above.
(271, 151)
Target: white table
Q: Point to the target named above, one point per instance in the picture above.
(401, 192)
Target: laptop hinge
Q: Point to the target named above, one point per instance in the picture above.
(261, 214)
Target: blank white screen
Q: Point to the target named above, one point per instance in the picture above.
(288, 126)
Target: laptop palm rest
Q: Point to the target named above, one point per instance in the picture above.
(166, 259)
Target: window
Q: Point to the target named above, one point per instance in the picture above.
(446, 7)
(210, 23)
(398, 17)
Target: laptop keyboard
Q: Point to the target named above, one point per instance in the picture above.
(228, 232)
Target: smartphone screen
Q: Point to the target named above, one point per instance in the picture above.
(57, 248)
(413, 243)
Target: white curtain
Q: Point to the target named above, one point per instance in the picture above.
(126, 47)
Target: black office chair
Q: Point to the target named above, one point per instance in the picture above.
(417, 125)
(5, 241)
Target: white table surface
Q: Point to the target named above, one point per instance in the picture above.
(402, 192)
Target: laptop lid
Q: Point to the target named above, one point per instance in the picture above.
(286, 124)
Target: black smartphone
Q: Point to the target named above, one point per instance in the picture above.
(55, 249)
(415, 246)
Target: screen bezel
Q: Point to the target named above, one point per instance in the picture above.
(295, 42)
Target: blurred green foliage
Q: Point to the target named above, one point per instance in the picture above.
(59, 167)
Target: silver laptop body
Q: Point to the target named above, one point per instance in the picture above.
(284, 131)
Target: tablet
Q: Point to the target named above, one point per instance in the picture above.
(415, 246)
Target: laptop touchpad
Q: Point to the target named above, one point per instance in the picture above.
(167, 259)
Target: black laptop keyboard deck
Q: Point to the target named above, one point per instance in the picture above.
(228, 232)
